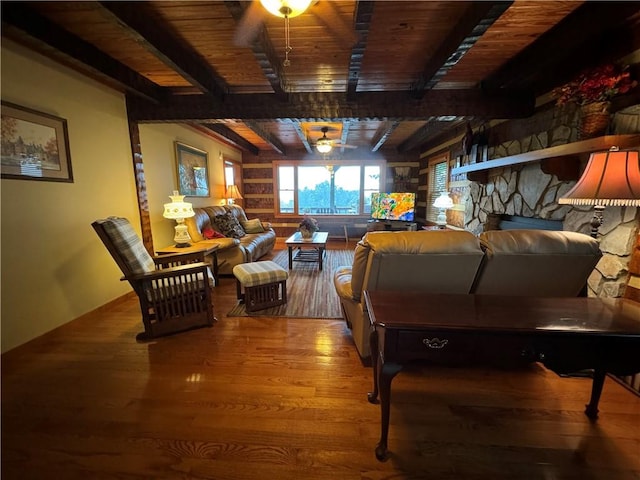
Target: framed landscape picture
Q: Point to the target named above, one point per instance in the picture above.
(35, 145)
(193, 171)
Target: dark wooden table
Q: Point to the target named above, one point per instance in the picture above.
(564, 334)
(312, 250)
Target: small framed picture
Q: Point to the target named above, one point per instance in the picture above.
(35, 145)
(193, 171)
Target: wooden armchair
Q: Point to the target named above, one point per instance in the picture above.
(174, 290)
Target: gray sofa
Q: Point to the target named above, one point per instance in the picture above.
(505, 262)
(248, 247)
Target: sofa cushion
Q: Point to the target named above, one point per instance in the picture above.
(229, 226)
(252, 226)
(536, 263)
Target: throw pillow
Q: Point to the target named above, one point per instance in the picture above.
(228, 224)
(208, 232)
(252, 226)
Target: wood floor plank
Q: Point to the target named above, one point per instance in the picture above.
(285, 398)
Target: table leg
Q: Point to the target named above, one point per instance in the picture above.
(321, 254)
(214, 256)
(290, 257)
(596, 389)
(375, 358)
(385, 374)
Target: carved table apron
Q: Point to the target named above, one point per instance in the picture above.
(564, 334)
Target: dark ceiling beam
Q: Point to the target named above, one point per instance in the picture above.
(433, 127)
(382, 134)
(18, 21)
(302, 136)
(137, 19)
(333, 106)
(267, 137)
(476, 20)
(264, 52)
(563, 51)
(231, 136)
(362, 21)
(456, 128)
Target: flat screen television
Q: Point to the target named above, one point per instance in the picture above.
(393, 206)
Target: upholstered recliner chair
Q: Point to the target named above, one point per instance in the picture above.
(537, 263)
(434, 262)
(174, 290)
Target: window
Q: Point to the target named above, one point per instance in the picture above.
(320, 188)
(437, 183)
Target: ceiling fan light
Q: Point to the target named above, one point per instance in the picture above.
(323, 146)
(286, 8)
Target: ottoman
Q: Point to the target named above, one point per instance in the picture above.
(264, 284)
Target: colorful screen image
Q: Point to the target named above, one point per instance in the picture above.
(393, 206)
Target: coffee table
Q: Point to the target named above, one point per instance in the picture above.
(564, 334)
(312, 250)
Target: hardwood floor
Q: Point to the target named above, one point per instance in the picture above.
(282, 398)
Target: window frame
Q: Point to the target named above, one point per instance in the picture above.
(382, 164)
(432, 212)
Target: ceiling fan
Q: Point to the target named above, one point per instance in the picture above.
(325, 144)
(252, 21)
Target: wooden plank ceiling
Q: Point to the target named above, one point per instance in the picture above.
(380, 74)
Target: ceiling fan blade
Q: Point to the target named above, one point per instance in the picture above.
(327, 14)
(249, 25)
(343, 145)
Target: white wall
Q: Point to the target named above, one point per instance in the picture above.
(54, 266)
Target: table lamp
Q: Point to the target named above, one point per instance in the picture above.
(443, 202)
(233, 194)
(178, 210)
(611, 178)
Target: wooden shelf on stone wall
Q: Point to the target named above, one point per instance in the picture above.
(562, 160)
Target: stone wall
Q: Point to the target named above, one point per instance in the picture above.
(525, 190)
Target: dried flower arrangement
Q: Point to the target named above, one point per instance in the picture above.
(594, 85)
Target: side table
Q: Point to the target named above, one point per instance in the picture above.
(208, 249)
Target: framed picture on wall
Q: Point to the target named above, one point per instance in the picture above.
(35, 145)
(193, 171)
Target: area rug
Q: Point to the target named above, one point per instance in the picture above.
(310, 292)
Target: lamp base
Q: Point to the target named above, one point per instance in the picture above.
(182, 237)
(597, 220)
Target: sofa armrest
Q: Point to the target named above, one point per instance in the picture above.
(342, 282)
(223, 243)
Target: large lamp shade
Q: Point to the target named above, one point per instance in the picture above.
(612, 178)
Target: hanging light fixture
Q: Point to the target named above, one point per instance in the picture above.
(286, 9)
(323, 145)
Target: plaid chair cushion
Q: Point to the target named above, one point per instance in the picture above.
(129, 245)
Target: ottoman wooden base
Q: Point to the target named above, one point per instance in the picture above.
(264, 284)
